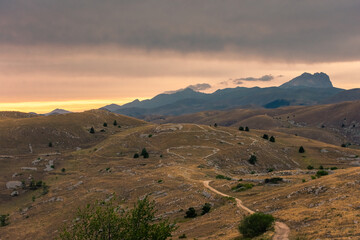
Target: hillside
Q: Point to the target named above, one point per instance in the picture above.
(182, 157)
(333, 123)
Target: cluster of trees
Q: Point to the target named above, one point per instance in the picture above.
(143, 153)
(92, 130)
(266, 137)
(191, 212)
(246, 129)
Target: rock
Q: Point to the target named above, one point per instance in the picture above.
(14, 193)
(324, 150)
(29, 168)
(13, 184)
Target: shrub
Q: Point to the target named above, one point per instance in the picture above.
(144, 153)
(191, 213)
(247, 129)
(136, 155)
(109, 221)
(321, 167)
(270, 170)
(301, 149)
(252, 160)
(333, 168)
(252, 172)
(265, 136)
(182, 236)
(4, 220)
(343, 145)
(105, 124)
(310, 167)
(313, 177)
(63, 170)
(242, 187)
(206, 208)
(223, 177)
(115, 123)
(274, 180)
(150, 135)
(256, 224)
(50, 144)
(321, 173)
(92, 130)
(215, 125)
(303, 180)
(241, 128)
(272, 139)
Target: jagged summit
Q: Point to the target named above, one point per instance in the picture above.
(316, 80)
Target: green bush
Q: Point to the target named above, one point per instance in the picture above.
(265, 136)
(313, 177)
(191, 213)
(301, 149)
(223, 177)
(110, 221)
(333, 168)
(105, 124)
(274, 180)
(252, 160)
(92, 130)
(50, 144)
(321, 173)
(272, 139)
(182, 236)
(206, 208)
(215, 125)
(247, 129)
(144, 153)
(115, 123)
(242, 187)
(270, 170)
(321, 167)
(136, 155)
(241, 128)
(256, 224)
(310, 167)
(63, 170)
(4, 220)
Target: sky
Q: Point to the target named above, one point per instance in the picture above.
(85, 54)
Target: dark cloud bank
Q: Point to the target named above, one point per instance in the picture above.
(299, 31)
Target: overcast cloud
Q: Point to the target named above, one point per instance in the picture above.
(283, 30)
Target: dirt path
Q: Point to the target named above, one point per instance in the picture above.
(281, 229)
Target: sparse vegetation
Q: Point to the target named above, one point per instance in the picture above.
(242, 187)
(150, 135)
(182, 236)
(309, 167)
(321, 173)
(252, 160)
(191, 213)
(301, 149)
(223, 177)
(256, 224)
(270, 170)
(4, 220)
(110, 221)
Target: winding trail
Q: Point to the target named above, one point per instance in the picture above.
(281, 229)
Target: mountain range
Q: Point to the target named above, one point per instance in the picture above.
(306, 89)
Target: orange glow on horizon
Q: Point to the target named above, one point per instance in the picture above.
(73, 106)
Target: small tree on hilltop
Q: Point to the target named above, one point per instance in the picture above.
(272, 139)
(301, 149)
(92, 130)
(252, 160)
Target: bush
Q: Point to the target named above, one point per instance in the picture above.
(63, 170)
(310, 167)
(252, 160)
(270, 170)
(4, 220)
(265, 136)
(242, 187)
(105, 124)
(206, 208)
(223, 177)
(50, 144)
(333, 168)
(110, 221)
(321, 167)
(115, 123)
(150, 135)
(191, 213)
(136, 155)
(144, 153)
(321, 173)
(303, 180)
(215, 125)
(301, 149)
(182, 236)
(313, 177)
(241, 128)
(247, 129)
(272, 139)
(92, 130)
(256, 224)
(274, 180)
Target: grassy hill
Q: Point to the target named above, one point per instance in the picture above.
(181, 157)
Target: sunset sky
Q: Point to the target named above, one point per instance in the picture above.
(83, 54)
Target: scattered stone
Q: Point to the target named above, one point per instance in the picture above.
(29, 168)
(13, 184)
(14, 193)
(48, 167)
(324, 150)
